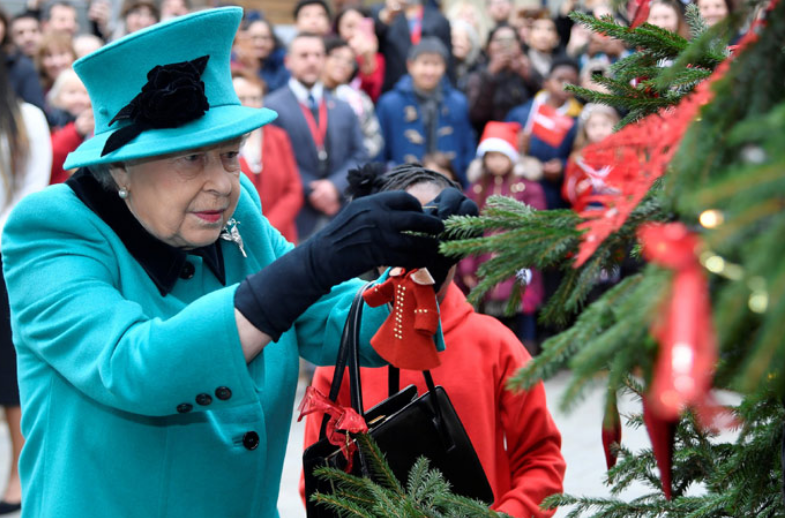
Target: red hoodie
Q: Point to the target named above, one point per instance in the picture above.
(513, 433)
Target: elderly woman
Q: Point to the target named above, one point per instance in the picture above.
(158, 317)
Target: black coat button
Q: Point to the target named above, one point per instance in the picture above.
(204, 399)
(184, 408)
(251, 440)
(223, 393)
(188, 271)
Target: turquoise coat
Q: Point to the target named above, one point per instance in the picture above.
(105, 360)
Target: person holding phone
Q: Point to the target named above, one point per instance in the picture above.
(505, 82)
(354, 25)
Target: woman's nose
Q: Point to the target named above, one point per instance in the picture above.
(219, 178)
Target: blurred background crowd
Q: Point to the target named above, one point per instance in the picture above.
(473, 89)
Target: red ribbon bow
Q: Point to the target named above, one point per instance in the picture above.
(344, 421)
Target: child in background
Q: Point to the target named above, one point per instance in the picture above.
(70, 104)
(582, 180)
(499, 170)
(549, 128)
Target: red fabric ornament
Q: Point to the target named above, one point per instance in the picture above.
(611, 432)
(688, 349)
(640, 13)
(405, 339)
(662, 433)
(344, 421)
(635, 161)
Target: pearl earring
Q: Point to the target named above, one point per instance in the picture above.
(123, 193)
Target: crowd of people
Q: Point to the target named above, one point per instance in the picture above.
(397, 82)
(472, 91)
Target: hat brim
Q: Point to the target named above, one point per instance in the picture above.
(218, 124)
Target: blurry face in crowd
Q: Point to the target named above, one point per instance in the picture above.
(339, 66)
(73, 96)
(350, 23)
(560, 77)
(664, 16)
(262, 40)
(250, 94)
(186, 198)
(26, 33)
(543, 36)
(497, 164)
(305, 60)
(599, 126)
(503, 41)
(499, 10)
(712, 11)
(313, 18)
(85, 44)
(461, 44)
(426, 71)
(139, 18)
(62, 18)
(55, 60)
(173, 9)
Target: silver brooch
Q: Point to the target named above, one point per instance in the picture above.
(230, 233)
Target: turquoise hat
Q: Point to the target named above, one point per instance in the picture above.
(164, 89)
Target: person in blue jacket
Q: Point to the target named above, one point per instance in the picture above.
(158, 317)
(424, 114)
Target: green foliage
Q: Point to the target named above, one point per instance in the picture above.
(426, 495)
(732, 161)
(639, 83)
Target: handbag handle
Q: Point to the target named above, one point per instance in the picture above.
(349, 342)
(349, 356)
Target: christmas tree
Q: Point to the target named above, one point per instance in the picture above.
(696, 194)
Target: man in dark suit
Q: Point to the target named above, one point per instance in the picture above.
(324, 131)
(402, 24)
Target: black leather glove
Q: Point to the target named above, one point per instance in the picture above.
(388, 228)
(450, 202)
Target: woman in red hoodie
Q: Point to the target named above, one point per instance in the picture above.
(513, 433)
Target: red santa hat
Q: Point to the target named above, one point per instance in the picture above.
(501, 137)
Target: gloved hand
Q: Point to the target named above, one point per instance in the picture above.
(450, 202)
(368, 233)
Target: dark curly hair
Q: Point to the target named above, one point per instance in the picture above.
(374, 177)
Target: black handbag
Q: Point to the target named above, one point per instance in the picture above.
(404, 426)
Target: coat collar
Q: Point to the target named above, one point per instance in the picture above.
(163, 263)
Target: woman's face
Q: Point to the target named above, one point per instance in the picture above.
(598, 127)
(55, 61)
(503, 41)
(184, 199)
(349, 25)
(250, 94)
(262, 41)
(664, 17)
(712, 11)
(139, 18)
(461, 44)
